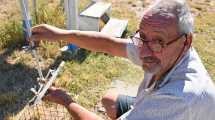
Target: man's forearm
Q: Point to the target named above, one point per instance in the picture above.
(94, 41)
(80, 113)
(97, 42)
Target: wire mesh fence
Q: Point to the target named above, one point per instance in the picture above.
(44, 111)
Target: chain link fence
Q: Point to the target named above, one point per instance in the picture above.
(44, 111)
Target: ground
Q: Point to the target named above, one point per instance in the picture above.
(18, 73)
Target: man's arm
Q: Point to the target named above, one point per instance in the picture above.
(77, 112)
(94, 41)
(80, 113)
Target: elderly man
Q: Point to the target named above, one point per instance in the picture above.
(176, 85)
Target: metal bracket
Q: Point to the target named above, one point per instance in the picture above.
(45, 84)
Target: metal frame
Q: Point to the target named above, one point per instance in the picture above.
(71, 9)
(44, 82)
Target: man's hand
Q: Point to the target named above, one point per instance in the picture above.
(78, 112)
(46, 32)
(58, 96)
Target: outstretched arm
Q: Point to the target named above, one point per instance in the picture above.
(94, 41)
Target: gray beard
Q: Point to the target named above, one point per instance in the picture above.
(153, 70)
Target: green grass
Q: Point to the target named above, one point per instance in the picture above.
(10, 34)
(85, 75)
(8, 98)
(204, 41)
(94, 75)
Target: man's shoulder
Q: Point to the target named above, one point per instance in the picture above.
(179, 89)
(188, 79)
(189, 90)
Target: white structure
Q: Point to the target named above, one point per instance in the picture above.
(89, 19)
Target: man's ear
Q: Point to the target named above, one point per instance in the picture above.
(188, 42)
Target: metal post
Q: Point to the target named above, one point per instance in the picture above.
(26, 19)
(71, 9)
(28, 33)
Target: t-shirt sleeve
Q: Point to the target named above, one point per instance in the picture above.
(160, 107)
(133, 54)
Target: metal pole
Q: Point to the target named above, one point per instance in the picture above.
(28, 33)
(26, 19)
(71, 9)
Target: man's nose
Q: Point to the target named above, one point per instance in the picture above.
(145, 51)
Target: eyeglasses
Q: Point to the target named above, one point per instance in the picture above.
(155, 45)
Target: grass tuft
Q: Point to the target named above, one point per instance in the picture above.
(11, 34)
(8, 98)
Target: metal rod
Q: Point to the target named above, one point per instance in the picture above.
(43, 91)
(72, 14)
(27, 18)
(71, 9)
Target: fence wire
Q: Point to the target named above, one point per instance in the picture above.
(44, 111)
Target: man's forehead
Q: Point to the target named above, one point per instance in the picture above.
(158, 18)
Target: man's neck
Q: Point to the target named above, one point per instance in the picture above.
(163, 73)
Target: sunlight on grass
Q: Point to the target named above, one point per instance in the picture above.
(86, 75)
(94, 74)
(204, 40)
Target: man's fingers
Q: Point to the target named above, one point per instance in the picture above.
(48, 94)
(51, 90)
(38, 28)
(36, 37)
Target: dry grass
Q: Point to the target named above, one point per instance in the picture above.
(204, 39)
(86, 75)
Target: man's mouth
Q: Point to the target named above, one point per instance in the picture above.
(150, 60)
(151, 64)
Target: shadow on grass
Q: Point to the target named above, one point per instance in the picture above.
(16, 79)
